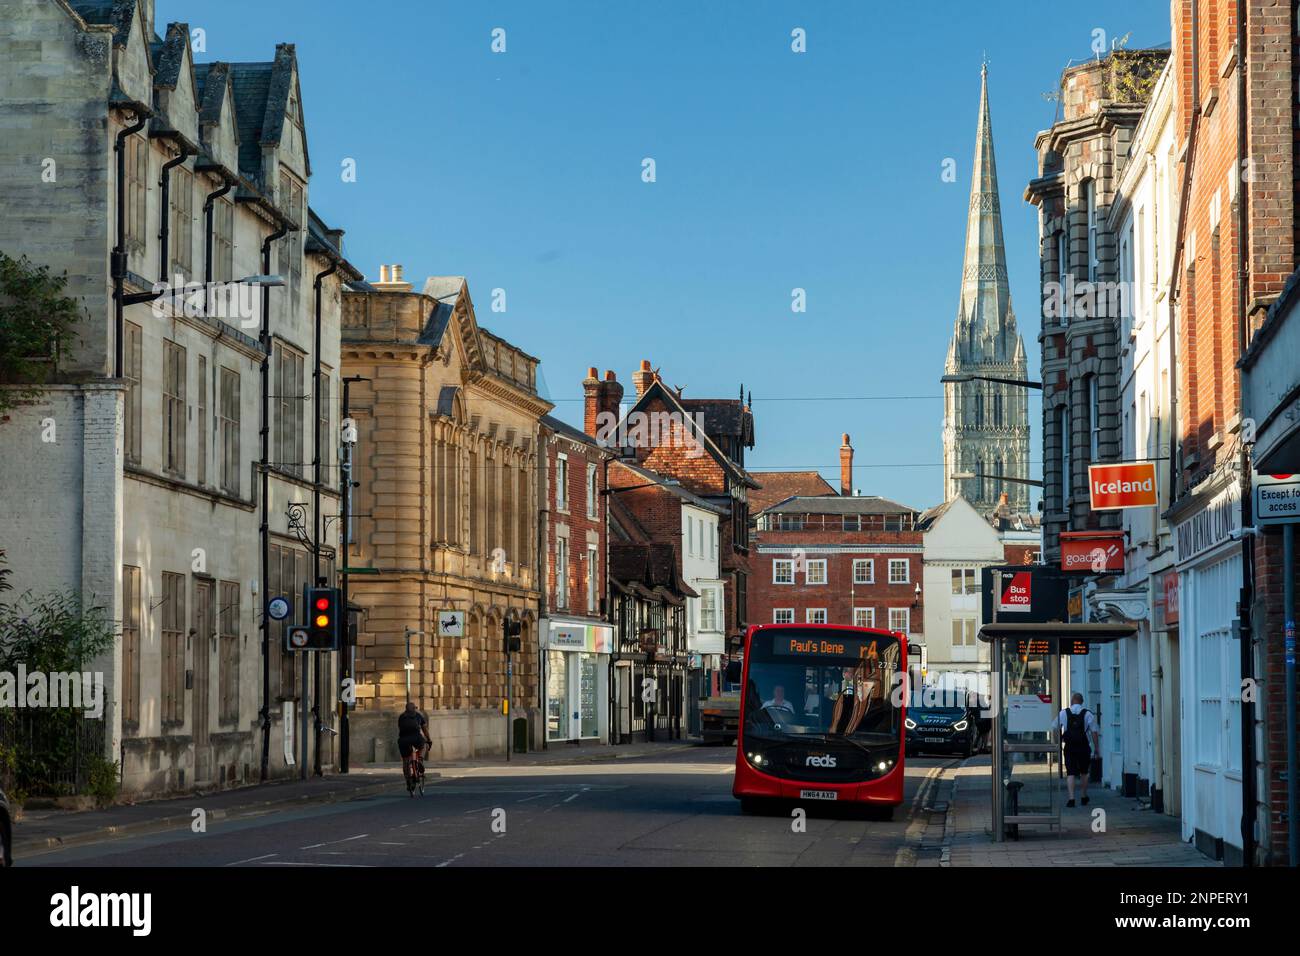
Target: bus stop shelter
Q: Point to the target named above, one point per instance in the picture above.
(1028, 695)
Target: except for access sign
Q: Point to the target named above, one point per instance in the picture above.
(1277, 499)
(1126, 485)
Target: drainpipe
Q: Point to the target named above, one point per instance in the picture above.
(1246, 631)
(315, 496)
(264, 341)
(118, 258)
(208, 205)
(1288, 612)
(165, 181)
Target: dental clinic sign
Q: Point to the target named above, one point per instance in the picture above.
(1128, 485)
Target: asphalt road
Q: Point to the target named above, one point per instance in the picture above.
(672, 810)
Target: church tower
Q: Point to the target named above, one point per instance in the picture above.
(986, 424)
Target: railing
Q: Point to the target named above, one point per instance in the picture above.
(49, 752)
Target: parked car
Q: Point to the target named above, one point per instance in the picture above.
(6, 832)
(958, 730)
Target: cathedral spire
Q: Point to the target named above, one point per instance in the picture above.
(985, 294)
(986, 422)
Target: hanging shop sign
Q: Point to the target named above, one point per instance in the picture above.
(1130, 484)
(1092, 552)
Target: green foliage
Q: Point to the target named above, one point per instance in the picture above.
(41, 749)
(52, 633)
(101, 779)
(37, 327)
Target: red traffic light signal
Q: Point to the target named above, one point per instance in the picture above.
(324, 620)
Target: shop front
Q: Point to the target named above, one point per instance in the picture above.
(1208, 554)
(576, 657)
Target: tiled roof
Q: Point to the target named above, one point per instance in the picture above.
(724, 416)
(780, 485)
(673, 487)
(567, 430)
(840, 505)
(251, 85)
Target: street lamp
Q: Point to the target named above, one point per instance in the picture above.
(135, 298)
(1018, 481)
(968, 377)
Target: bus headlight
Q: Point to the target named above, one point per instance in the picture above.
(757, 759)
(909, 723)
(961, 725)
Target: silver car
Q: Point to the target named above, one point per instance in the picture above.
(6, 833)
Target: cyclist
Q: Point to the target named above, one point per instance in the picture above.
(412, 734)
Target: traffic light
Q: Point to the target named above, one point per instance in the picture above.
(324, 619)
(511, 631)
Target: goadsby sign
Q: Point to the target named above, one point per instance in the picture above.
(1127, 485)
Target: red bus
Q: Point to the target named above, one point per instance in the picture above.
(818, 716)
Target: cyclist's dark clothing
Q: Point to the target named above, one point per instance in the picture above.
(410, 734)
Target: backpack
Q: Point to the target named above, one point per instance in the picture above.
(1076, 726)
(408, 725)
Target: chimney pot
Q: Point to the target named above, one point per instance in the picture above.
(610, 376)
(397, 273)
(383, 273)
(591, 371)
(642, 378)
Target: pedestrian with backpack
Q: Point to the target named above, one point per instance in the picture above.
(1079, 736)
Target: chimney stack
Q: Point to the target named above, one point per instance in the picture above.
(642, 378)
(611, 393)
(390, 280)
(846, 467)
(591, 396)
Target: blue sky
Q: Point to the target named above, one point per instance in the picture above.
(522, 170)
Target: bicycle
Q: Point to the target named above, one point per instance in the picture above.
(415, 772)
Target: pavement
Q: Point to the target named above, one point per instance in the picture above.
(1112, 830)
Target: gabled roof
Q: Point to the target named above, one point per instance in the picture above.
(658, 389)
(169, 55)
(777, 486)
(568, 431)
(724, 416)
(672, 487)
(840, 505)
(115, 13)
(262, 93)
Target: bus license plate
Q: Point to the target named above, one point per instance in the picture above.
(819, 794)
(934, 740)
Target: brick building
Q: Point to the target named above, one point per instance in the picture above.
(1079, 160)
(1235, 246)
(833, 559)
(701, 444)
(576, 638)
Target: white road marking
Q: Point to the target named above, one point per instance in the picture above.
(572, 798)
(477, 810)
(365, 866)
(252, 859)
(360, 836)
(536, 796)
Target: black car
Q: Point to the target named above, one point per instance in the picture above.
(6, 833)
(954, 730)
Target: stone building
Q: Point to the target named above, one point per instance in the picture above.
(986, 423)
(1079, 161)
(150, 502)
(446, 517)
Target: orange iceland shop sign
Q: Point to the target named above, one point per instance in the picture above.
(1126, 485)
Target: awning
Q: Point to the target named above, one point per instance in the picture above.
(1088, 633)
